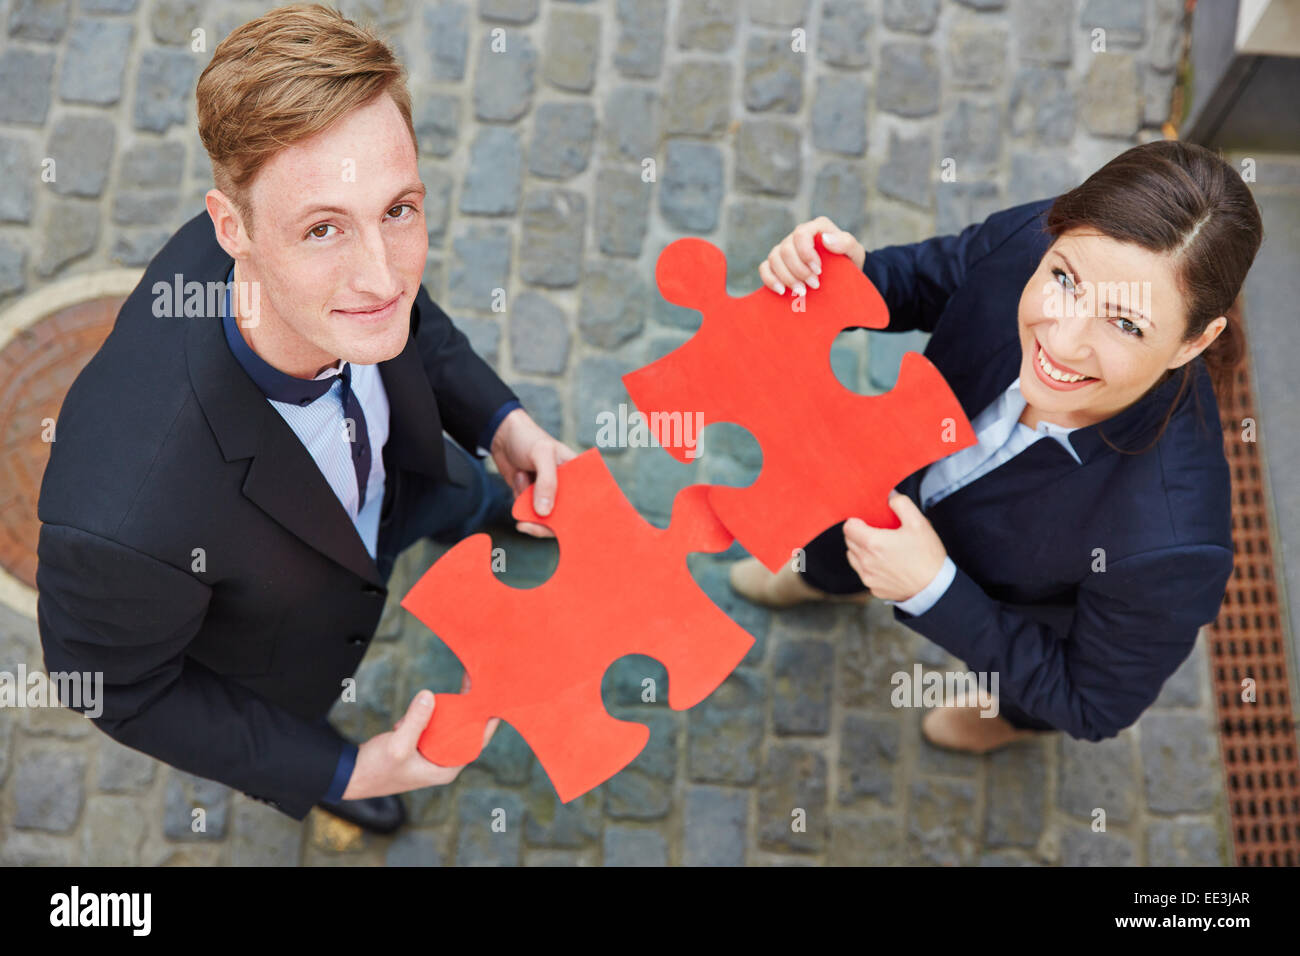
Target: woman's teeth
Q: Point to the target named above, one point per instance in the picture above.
(1056, 373)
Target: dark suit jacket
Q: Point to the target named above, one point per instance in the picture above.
(1082, 650)
(224, 661)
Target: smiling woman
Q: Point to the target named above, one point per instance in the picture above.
(1079, 569)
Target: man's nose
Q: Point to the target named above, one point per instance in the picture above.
(372, 272)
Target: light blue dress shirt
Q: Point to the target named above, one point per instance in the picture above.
(1001, 437)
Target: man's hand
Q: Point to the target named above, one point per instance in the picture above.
(895, 563)
(525, 454)
(793, 261)
(390, 763)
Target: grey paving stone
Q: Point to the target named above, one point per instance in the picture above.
(27, 77)
(708, 25)
(495, 172)
(778, 13)
(1166, 34)
(98, 51)
(690, 190)
(753, 228)
(871, 651)
(1042, 34)
(629, 124)
(906, 172)
(437, 202)
(504, 78)
(1039, 176)
(768, 157)
(1098, 775)
(1157, 95)
(164, 79)
(1042, 106)
(1017, 785)
(142, 208)
(840, 194)
(507, 757)
(491, 825)
(870, 748)
(941, 823)
(839, 115)
(107, 6)
(907, 82)
(72, 230)
(792, 805)
(844, 38)
(480, 266)
(539, 335)
(508, 11)
(716, 823)
(48, 790)
(41, 20)
(446, 26)
(185, 794)
(726, 731)
(957, 206)
(113, 831)
(1180, 763)
(137, 248)
(13, 263)
(148, 165)
(698, 102)
(613, 305)
(554, 222)
(171, 21)
(598, 386)
(977, 57)
(634, 846)
(643, 790)
(972, 135)
(263, 836)
(1183, 688)
(1122, 20)
(712, 575)
(622, 211)
(562, 139)
(121, 769)
(416, 848)
(639, 51)
(572, 49)
(1082, 846)
(436, 117)
(911, 16)
(873, 841)
(1184, 844)
(773, 74)
(544, 404)
(1112, 99)
(801, 687)
(550, 823)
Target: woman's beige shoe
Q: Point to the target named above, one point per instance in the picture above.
(752, 581)
(962, 728)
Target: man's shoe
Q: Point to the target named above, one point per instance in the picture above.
(752, 581)
(963, 729)
(376, 814)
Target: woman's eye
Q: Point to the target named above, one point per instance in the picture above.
(1136, 331)
(405, 205)
(1063, 279)
(316, 235)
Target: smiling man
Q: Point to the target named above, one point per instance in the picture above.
(229, 491)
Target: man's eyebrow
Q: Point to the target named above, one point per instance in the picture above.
(338, 211)
(1126, 313)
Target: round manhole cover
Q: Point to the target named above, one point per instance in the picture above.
(51, 338)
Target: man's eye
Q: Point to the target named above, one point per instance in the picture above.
(317, 235)
(1063, 279)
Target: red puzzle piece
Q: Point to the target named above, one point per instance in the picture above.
(828, 453)
(536, 657)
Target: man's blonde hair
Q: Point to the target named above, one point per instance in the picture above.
(281, 78)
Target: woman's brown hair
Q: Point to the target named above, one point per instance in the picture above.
(1182, 200)
(281, 78)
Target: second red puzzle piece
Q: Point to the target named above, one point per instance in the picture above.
(828, 453)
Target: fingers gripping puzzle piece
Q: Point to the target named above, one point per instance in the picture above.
(536, 657)
(828, 453)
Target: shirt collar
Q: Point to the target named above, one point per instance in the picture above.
(276, 385)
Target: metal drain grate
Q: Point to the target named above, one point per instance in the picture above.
(1258, 740)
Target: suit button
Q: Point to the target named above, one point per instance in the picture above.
(371, 589)
(356, 640)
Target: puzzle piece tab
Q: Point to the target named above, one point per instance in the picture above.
(828, 453)
(536, 657)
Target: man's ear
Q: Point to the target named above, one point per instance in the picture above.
(226, 223)
(1189, 350)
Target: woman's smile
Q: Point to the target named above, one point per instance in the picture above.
(1057, 376)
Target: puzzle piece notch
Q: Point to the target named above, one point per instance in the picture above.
(828, 453)
(536, 658)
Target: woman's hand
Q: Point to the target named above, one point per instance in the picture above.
(525, 454)
(895, 563)
(793, 261)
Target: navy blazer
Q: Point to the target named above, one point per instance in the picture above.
(1082, 650)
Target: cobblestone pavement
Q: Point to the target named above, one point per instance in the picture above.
(534, 158)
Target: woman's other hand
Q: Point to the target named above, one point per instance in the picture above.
(794, 264)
